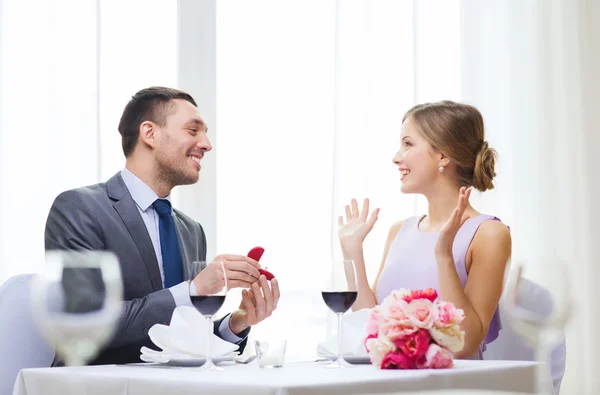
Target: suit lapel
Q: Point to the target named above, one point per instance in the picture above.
(127, 210)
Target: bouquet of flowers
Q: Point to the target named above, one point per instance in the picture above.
(414, 330)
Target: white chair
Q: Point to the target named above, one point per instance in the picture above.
(510, 346)
(20, 342)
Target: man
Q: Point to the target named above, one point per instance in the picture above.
(164, 140)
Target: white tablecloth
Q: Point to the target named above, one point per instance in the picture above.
(299, 378)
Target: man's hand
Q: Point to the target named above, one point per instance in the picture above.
(258, 303)
(240, 270)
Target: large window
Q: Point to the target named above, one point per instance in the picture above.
(138, 49)
(310, 96)
(64, 83)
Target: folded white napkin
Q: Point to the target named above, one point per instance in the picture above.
(353, 336)
(185, 338)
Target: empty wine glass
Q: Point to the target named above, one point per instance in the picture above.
(76, 302)
(537, 304)
(339, 293)
(208, 298)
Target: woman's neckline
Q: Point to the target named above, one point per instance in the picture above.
(437, 231)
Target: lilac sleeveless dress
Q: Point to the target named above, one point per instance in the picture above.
(411, 264)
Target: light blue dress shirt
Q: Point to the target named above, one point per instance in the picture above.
(144, 196)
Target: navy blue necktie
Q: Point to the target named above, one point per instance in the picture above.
(169, 246)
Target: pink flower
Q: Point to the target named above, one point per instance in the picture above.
(414, 329)
(448, 314)
(400, 294)
(397, 360)
(422, 313)
(374, 320)
(378, 348)
(395, 329)
(429, 294)
(415, 345)
(450, 337)
(393, 308)
(370, 336)
(436, 357)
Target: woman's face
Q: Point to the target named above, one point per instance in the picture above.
(417, 161)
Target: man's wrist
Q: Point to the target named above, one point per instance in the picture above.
(237, 322)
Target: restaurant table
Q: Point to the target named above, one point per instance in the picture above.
(292, 378)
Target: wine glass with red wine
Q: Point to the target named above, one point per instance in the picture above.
(208, 299)
(339, 293)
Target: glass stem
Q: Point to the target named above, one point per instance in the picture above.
(210, 333)
(542, 356)
(340, 351)
(74, 361)
(73, 355)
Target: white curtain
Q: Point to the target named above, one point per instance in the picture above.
(274, 144)
(532, 68)
(138, 49)
(390, 55)
(64, 82)
(308, 111)
(48, 118)
(528, 66)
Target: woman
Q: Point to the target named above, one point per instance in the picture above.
(453, 249)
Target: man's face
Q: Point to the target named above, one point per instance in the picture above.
(181, 144)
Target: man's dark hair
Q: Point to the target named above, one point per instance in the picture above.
(151, 104)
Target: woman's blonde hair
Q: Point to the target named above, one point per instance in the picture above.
(457, 130)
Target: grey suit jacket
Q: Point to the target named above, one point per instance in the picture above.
(105, 217)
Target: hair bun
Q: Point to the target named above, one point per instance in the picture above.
(484, 172)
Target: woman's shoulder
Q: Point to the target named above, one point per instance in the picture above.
(396, 226)
(492, 239)
(490, 222)
(399, 225)
(393, 232)
(492, 230)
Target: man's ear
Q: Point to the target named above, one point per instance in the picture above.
(147, 133)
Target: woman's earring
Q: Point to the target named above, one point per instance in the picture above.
(441, 169)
